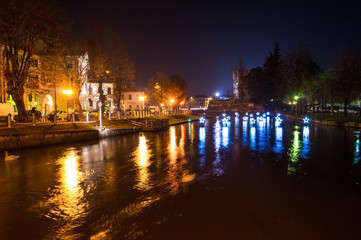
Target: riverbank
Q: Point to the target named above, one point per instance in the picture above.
(337, 120)
(24, 137)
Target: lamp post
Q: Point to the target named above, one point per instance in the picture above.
(142, 99)
(67, 92)
(171, 103)
(296, 98)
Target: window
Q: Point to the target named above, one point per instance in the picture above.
(90, 103)
(130, 97)
(109, 91)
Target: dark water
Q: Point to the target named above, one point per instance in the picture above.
(190, 182)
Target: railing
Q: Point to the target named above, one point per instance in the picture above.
(135, 115)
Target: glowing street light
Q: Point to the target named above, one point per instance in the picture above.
(67, 92)
(217, 94)
(142, 98)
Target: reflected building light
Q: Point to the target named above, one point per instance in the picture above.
(67, 200)
(142, 157)
(172, 146)
(181, 147)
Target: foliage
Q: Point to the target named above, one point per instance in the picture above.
(27, 28)
(163, 88)
(266, 84)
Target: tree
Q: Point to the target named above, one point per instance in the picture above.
(300, 65)
(163, 88)
(27, 27)
(109, 60)
(347, 67)
(266, 84)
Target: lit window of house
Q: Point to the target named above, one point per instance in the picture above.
(109, 91)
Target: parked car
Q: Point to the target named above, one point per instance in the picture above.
(5, 109)
(353, 110)
(60, 114)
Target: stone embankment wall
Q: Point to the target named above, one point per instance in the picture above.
(16, 141)
(217, 106)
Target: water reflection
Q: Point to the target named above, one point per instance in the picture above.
(356, 154)
(294, 153)
(66, 202)
(217, 168)
(202, 144)
(278, 144)
(142, 157)
(305, 141)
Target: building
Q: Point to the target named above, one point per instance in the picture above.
(46, 91)
(239, 86)
(132, 100)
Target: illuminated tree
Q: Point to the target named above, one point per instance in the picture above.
(27, 27)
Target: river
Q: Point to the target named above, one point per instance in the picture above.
(215, 181)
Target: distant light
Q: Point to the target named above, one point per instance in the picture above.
(246, 113)
(236, 114)
(306, 120)
(217, 94)
(296, 97)
(257, 113)
(278, 114)
(264, 115)
(224, 115)
(251, 115)
(268, 113)
(245, 118)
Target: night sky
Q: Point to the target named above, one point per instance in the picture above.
(203, 41)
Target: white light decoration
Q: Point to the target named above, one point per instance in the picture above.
(251, 115)
(202, 120)
(245, 118)
(236, 114)
(257, 113)
(264, 115)
(224, 115)
(252, 121)
(268, 113)
(306, 120)
(246, 114)
(229, 117)
(278, 114)
(225, 121)
(261, 119)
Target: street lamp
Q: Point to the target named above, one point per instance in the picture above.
(67, 92)
(142, 98)
(296, 98)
